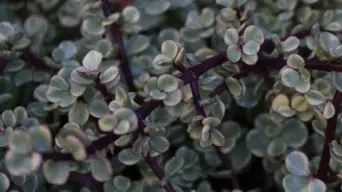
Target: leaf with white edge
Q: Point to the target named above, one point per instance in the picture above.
(315, 97)
(137, 43)
(4, 182)
(276, 148)
(129, 157)
(59, 83)
(297, 163)
(92, 60)
(19, 142)
(35, 24)
(217, 137)
(56, 172)
(8, 118)
(66, 99)
(77, 90)
(162, 62)
(328, 41)
(75, 146)
(160, 144)
(251, 48)
(6, 29)
(101, 169)
(329, 110)
(173, 98)
(107, 123)
(299, 103)
(294, 183)
(20, 114)
(131, 14)
(290, 44)
(157, 7)
(122, 128)
(233, 53)
(18, 165)
(316, 185)
(303, 86)
(231, 36)
(253, 33)
(337, 80)
(79, 113)
(169, 49)
(295, 61)
(98, 108)
(110, 75)
(289, 77)
(122, 183)
(174, 165)
(41, 139)
(167, 83)
(93, 26)
(280, 100)
(249, 59)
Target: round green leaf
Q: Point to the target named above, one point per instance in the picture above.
(160, 144)
(93, 26)
(295, 61)
(290, 44)
(128, 157)
(56, 172)
(131, 14)
(122, 183)
(169, 49)
(316, 185)
(4, 181)
(59, 83)
(276, 148)
(98, 108)
(20, 142)
(233, 53)
(251, 48)
(174, 165)
(167, 83)
(257, 143)
(110, 75)
(294, 183)
(35, 24)
(173, 98)
(231, 36)
(289, 77)
(295, 134)
(41, 139)
(8, 118)
(315, 97)
(107, 123)
(101, 169)
(329, 110)
(297, 163)
(92, 60)
(157, 7)
(253, 33)
(79, 113)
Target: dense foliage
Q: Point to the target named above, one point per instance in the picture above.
(170, 95)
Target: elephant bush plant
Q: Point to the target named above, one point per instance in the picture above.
(171, 95)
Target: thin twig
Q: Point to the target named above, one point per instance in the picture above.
(323, 170)
(117, 37)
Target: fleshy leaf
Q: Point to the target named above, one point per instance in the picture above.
(92, 60)
(56, 172)
(297, 163)
(101, 168)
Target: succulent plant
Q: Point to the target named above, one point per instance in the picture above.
(170, 95)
